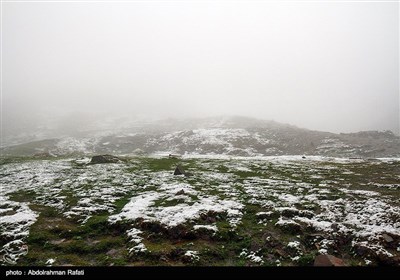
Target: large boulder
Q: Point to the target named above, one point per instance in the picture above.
(104, 159)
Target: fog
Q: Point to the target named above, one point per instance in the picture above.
(323, 66)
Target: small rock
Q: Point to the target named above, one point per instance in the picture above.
(335, 226)
(57, 242)
(180, 192)
(362, 250)
(328, 260)
(387, 238)
(179, 170)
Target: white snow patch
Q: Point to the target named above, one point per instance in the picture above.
(207, 227)
(193, 255)
(293, 244)
(251, 256)
(50, 261)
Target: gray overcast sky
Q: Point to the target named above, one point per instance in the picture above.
(324, 66)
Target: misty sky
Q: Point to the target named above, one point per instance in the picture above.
(323, 66)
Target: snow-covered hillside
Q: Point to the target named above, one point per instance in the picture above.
(228, 136)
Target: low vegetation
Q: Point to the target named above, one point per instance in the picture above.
(232, 211)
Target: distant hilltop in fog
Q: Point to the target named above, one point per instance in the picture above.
(236, 136)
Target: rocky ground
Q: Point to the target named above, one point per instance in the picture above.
(260, 211)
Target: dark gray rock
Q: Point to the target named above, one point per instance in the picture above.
(179, 170)
(104, 159)
(387, 238)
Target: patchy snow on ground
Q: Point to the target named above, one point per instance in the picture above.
(17, 225)
(251, 256)
(143, 206)
(134, 237)
(309, 194)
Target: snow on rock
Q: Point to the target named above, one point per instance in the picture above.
(212, 228)
(293, 244)
(192, 255)
(134, 237)
(252, 256)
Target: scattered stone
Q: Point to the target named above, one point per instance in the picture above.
(387, 238)
(328, 260)
(179, 170)
(104, 159)
(180, 192)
